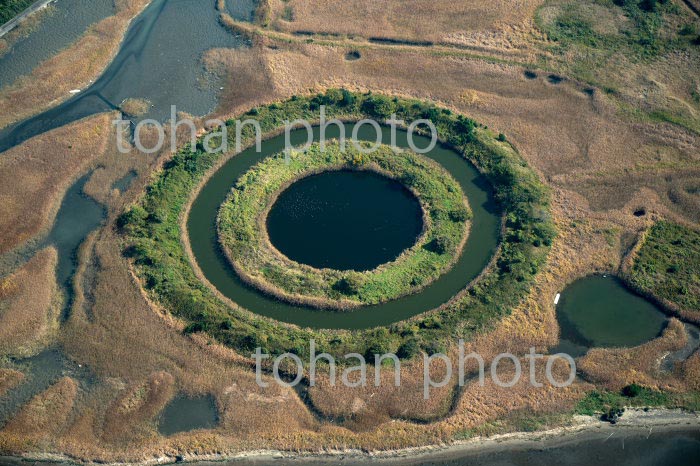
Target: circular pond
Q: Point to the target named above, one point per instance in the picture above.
(440, 223)
(480, 246)
(600, 311)
(345, 220)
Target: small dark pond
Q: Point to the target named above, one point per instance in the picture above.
(183, 414)
(600, 311)
(345, 220)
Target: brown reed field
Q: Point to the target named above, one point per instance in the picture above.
(622, 143)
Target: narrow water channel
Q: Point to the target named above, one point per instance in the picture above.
(159, 60)
(77, 217)
(481, 244)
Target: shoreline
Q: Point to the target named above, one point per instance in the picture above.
(635, 422)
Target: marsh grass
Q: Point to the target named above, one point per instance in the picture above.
(42, 419)
(9, 378)
(134, 107)
(624, 47)
(35, 175)
(29, 313)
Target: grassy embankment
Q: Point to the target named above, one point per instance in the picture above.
(667, 267)
(243, 229)
(152, 236)
(11, 8)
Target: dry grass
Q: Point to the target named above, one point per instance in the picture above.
(29, 313)
(467, 22)
(578, 142)
(249, 85)
(365, 408)
(9, 378)
(35, 175)
(479, 405)
(690, 372)
(73, 68)
(130, 418)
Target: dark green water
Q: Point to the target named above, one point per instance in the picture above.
(184, 414)
(600, 311)
(482, 242)
(345, 220)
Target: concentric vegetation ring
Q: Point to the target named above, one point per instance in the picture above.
(242, 228)
(170, 235)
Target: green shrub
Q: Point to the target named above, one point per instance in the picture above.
(460, 214)
(439, 245)
(687, 29)
(348, 99)
(408, 349)
(349, 285)
(632, 390)
(379, 106)
(133, 220)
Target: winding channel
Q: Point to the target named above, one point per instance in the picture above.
(159, 60)
(483, 240)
